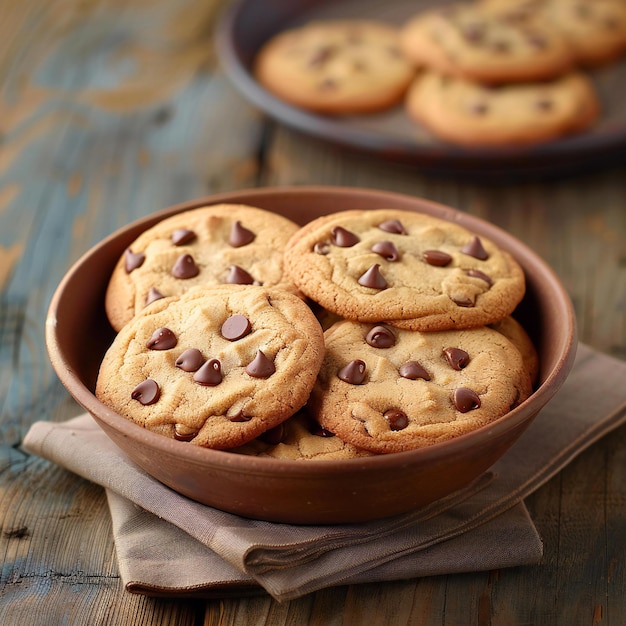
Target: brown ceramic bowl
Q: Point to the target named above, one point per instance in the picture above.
(312, 492)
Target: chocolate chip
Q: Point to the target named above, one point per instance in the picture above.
(162, 339)
(397, 419)
(260, 366)
(392, 226)
(190, 360)
(537, 40)
(474, 248)
(316, 429)
(501, 46)
(478, 274)
(437, 258)
(466, 400)
(146, 392)
(413, 370)
(474, 32)
(324, 53)
(321, 247)
(153, 295)
(457, 358)
(387, 250)
(321, 55)
(184, 433)
(479, 108)
(465, 302)
(238, 276)
(236, 327)
(343, 238)
(545, 104)
(328, 85)
(210, 374)
(240, 236)
(240, 417)
(133, 260)
(274, 436)
(185, 267)
(373, 278)
(182, 236)
(380, 337)
(353, 373)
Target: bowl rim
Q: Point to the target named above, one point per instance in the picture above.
(249, 464)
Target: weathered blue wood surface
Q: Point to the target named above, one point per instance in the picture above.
(111, 110)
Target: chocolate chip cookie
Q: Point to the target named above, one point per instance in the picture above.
(216, 366)
(468, 113)
(408, 268)
(225, 243)
(389, 390)
(518, 336)
(595, 30)
(466, 41)
(301, 438)
(336, 67)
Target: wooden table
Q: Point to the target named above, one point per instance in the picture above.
(111, 110)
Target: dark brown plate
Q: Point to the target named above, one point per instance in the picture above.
(247, 24)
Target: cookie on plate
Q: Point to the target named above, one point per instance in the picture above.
(468, 113)
(301, 438)
(409, 268)
(466, 41)
(216, 366)
(595, 30)
(389, 390)
(224, 243)
(336, 67)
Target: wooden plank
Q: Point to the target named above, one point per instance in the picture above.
(95, 601)
(615, 450)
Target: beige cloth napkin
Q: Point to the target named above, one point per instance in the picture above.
(169, 545)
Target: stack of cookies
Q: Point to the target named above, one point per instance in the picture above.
(489, 72)
(360, 333)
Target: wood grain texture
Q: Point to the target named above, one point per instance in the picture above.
(111, 110)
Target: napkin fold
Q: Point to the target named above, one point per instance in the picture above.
(170, 545)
